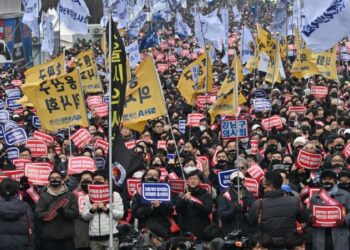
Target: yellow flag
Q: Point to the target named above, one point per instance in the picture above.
(52, 69)
(303, 66)
(284, 48)
(25, 101)
(273, 74)
(143, 100)
(253, 62)
(59, 102)
(265, 40)
(187, 87)
(326, 63)
(88, 72)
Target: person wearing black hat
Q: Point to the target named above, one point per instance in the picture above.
(344, 180)
(336, 238)
(16, 227)
(194, 206)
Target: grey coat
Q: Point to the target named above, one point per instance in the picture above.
(340, 236)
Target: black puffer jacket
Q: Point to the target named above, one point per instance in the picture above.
(15, 225)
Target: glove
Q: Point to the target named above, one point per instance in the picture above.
(312, 220)
(341, 223)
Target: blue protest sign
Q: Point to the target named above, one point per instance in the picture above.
(261, 104)
(12, 104)
(259, 93)
(4, 116)
(2, 104)
(105, 99)
(100, 163)
(182, 126)
(12, 153)
(14, 136)
(156, 192)
(36, 122)
(224, 178)
(13, 93)
(229, 129)
(1, 131)
(10, 125)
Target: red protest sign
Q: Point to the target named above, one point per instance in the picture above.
(288, 97)
(256, 172)
(203, 100)
(177, 186)
(81, 138)
(99, 193)
(101, 110)
(326, 216)
(319, 91)
(297, 109)
(101, 144)
(254, 145)
(91, 101)
(131, 185)
(44, 137)
(19, 163)
(308, 160)
(130, 144)
(81, 200)
(38, 148)
(346, 150)
(78, 164)
(194, 119)
(37, 172)
(252, 186)
(14, 174)
(16, 83)
(161, 144)
(272, 122)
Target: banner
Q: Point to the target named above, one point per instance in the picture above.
(181, 27)
(38, 172)
(308, 160)
(155, 192)
(20, 163)
(15, 136)
(11, 103)
(297, 109)
(81, 138)
(4, 116)
(319, 91)
(59, 102)
(265, 41)
(326, 63)
(261, 104)
(231, 129)
(273, 73)
(93, 100)
(44, 137)
(31, 15)
(79, 164)
(134, 54)
(52, 69)
(272, 122)
(2, 131)
(74, 15)
(326, 216)
(177, 186)
(144, 97)
(252, 185)
(205, 100)
(193, 119)
(182, 126)
(187, 87)
(101, 144)
(90, 78)
(256, 172)
(132, 185)
(38, 148)
(98, 193)
(47, 45)
(224, 178)
(100, 110)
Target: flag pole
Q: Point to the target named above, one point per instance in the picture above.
(110, 152)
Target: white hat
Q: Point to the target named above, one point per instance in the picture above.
(299, 140)
(347, 131)
(237, 174)
(255, 126)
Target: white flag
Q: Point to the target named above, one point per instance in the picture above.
(48, 42)
(31, 15)
(328, 24)
(134, 54)
(297, 13)
(159, 5)
(120, 13)
(263, 62)
(136, 24)
(184, 4)
(138, 6)
(236, 15)
(279, 23)
(181, 27)
(198, 31)
(246, 44)
(225, 23)
(213, 30)
(74, 15)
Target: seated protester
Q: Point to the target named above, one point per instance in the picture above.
(344, 180)
(275, 213)
(57, 208)
(326, 237)
(231, 211)
(156, 212)
(16, 219)
(98, 215)
(194, 206)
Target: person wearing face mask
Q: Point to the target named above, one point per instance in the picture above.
(336, 238)
(155, 212)
(222, 165)
(344, 180)
(57, 208)
(231, 211)
(194, 206)
(231, 148)
(337, 162)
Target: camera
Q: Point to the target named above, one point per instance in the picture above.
(236, 240)
(186, 245)
(129, 238)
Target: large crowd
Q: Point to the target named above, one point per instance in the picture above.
(276, 214)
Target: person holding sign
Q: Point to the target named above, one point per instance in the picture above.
(330, 217)
(233, 211)
(57, 208)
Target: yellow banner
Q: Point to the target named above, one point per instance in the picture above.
(88, 72)
(59, 102)
(265, 40)
(253, 62)
(187, 87)
(143, 100)
(302, 66)
(326, 63)
(52, 69)
(273, 74)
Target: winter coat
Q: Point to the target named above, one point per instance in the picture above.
(99, 221)
(340, 235)
(234, 216)
(193, 216)
(279, 214)
(81, 228)
(16, 225)
(145, 213)
(62, 226)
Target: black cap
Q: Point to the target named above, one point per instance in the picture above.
(328, 173)
(345, 172)
(8, 188)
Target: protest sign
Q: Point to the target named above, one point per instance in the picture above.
(13, 93)
(161, 144)
(101, 110)
(10, 125)
(78, 164)
(177, 186)
(194, 119)
(11, 103)
(4, 116)
(2, 104)
(44, 137)
(319, 91)
(272, 122)
(252, 185)
(12, 153)
(36, 121)
(91, 101)
(20, 163)
(81, 138)
(1, 131)
(100, 163)
(205, 100)
(101, 144)
(224, 179)
(231, 129)
(313, 191)
(259, 93)
(98, 193)
(130, 144)
(156, 192)
(37, 172)
(261, 104)
(38, 148)
(256, 172)
(81, 200)
(16, 83)
(326, 216)
(131, 185)
(15, 136)
(297, 109)
(182, 126)
(14, 174)
(308, 160)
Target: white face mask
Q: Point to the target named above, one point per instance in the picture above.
(189, 169)
(202, 127)
(138, 174)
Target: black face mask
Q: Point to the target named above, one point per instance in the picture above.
(55, 183)
(232, 154)
(171, 149)
(272, 147)
(157, 165)
(193, 189)
(84, 186)
(327, 185)
(185, 154)
(261, 191)
(345, 186)
(338, 148)
(237, 185)
(275, 162)
(221, 164)
(337, 166)
(305, 128)
(151, 180)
